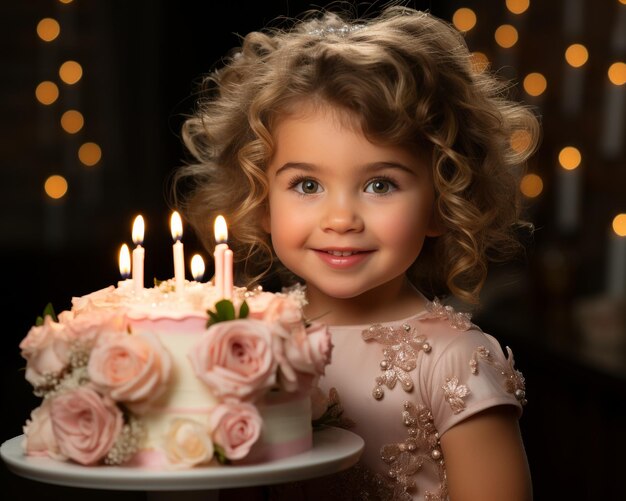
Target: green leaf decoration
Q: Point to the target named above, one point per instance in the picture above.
(48, 311)
(157, 282)
(225, 311)
(244, 310)
(220, 456)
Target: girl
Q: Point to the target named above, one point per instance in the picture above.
(369, 160)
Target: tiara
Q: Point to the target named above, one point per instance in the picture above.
(341, 31)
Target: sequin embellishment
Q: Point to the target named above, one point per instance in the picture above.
(455, 393)
(407, 458)
(401, 347)
(514, 382)
(458, 320)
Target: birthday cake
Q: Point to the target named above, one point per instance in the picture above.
(167, 379)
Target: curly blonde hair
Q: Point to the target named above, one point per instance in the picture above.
(407, 77)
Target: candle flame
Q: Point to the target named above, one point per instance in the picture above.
(176, 225)
(124, 261)
(197, 267)
(138, 230)
(220, 229)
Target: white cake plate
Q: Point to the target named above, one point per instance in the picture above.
(334, 449)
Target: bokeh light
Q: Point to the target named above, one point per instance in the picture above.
(480, 61)
(619, 225)
(72, 121)
(47, 92)
(535, 84)
(89, 154)
(70, 72)
(464, 19)
(531, 185)
(617, 73)
(520, 140)
(576, 55)
(517, 6)
(55, 186)
(570, 158)
(48, 29)
(506, 36)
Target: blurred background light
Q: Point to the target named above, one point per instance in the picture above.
(55, 186)
(70, 72)
(47, 92)
(48, 29)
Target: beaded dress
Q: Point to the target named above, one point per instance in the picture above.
(401, 386)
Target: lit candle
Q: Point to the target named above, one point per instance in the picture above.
(616, 269)
(223, 259)
(197, 267)
(124, 261)
(176, 226)
(138, 253)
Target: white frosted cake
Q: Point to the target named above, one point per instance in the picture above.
(162, 379)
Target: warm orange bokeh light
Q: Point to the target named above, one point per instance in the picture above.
(480, 62)
(617, 73)
(535, 84)
(48, 29)
(47, 92)
(576, 55)
(517, 6)
(531, 185)
(89, 154)
(520, 140)
(70, 72)
(66, 1)
(619, 225)
(464, 19)
(72, 121)
(570, 158)
(506, 36)
(55, 186)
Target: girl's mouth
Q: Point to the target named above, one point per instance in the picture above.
(342, 259)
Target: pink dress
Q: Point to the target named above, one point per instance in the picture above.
(401, 386)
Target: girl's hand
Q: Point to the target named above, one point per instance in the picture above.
(485, 458)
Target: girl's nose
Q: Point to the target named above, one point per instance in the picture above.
(342, 215)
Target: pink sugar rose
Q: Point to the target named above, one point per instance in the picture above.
(103, 298)
(87, 326)
(258, 304)
(283, 310)
(236, 427)
(235, 358)
(46, 349)
(85, 424)
(303, 351)
(130, 368)
(39, 439)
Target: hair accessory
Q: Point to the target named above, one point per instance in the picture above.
(341, 31)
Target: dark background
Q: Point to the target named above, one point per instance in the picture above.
(141, 61)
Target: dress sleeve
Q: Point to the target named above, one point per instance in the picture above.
(473, 374)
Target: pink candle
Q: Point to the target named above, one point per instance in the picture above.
(138, 253)
(223, 260)
(176, 226)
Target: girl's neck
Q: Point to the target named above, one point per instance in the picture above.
(394, 300)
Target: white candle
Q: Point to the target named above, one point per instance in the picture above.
(228, 274)
(138, 253)
(176, 226)
(616, 269)
(197, 267)
(223, 260)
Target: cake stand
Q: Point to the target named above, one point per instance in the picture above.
(333, 450)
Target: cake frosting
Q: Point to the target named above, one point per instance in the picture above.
(167, 379)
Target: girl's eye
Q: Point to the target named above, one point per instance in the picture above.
(380, 187)
(307, 186)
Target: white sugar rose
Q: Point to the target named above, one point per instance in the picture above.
(46, 349)
(235, 358)
(236, 427)
(188, 443)
(130, 368)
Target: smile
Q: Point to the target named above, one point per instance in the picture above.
(342, 259)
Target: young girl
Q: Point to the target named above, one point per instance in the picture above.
(369, 160)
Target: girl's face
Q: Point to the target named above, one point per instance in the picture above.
(346, 215)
